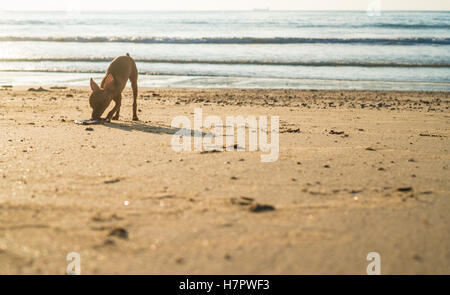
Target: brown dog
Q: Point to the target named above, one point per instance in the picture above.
(119, 71)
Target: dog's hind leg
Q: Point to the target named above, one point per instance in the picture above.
(134, 87)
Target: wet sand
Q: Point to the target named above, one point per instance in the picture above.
(358, 172)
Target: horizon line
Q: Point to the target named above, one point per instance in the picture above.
(222, 10)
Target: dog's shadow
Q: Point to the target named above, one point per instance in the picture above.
(139, 126)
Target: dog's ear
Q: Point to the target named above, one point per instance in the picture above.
(109, 82)
(94, 85)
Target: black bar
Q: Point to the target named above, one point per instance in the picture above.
(230, 285)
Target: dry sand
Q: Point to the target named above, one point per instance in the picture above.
(64, 188)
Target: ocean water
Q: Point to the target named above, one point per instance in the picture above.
(274, 49)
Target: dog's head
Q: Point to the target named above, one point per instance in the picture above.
(99, 99)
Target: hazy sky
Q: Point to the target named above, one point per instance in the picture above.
(221, 4)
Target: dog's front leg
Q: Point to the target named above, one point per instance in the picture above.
(118, 103)
(116, 109)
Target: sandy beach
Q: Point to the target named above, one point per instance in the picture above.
(358, 172)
